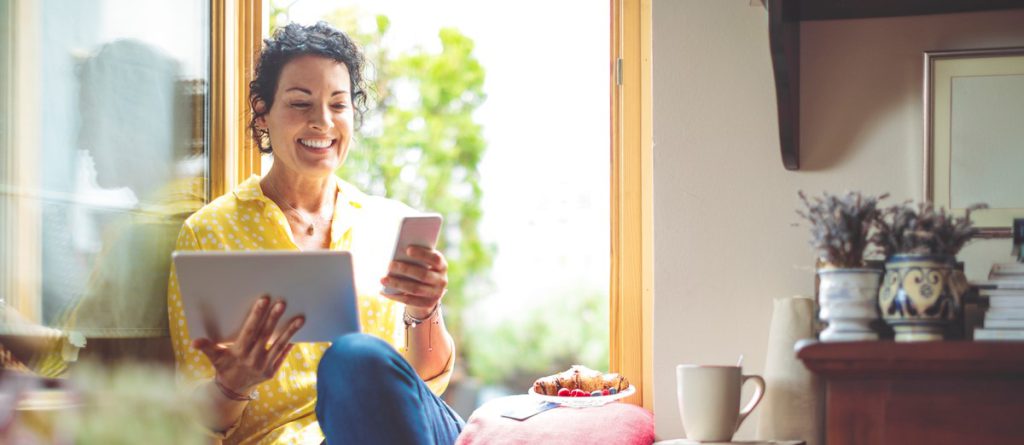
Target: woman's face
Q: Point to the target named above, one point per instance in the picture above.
(310, 123)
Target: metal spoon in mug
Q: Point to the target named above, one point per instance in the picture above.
(739, 363)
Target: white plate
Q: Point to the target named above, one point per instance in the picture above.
(583, 402)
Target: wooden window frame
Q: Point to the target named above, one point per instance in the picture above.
(632, 254)
(235, 41)
(22, 215)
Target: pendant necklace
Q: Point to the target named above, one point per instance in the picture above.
(311, 224)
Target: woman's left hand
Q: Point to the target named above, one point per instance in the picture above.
(421, 285)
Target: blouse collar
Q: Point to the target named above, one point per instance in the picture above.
(349, 199)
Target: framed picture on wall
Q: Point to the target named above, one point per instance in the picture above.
(974, 134)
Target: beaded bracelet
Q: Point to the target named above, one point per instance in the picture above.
(231, 394)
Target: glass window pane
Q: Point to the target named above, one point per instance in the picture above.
(106, 157)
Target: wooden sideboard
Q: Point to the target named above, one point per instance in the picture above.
(952, 392)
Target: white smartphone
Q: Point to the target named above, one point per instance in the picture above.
(420, 230)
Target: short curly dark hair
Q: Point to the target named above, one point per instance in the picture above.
(292, 41)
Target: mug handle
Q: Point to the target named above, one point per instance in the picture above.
(754, 400)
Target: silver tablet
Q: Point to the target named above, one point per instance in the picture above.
(218, 288)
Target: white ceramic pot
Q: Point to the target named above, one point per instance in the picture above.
(849, 303)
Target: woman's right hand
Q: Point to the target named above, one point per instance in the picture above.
(258, 352)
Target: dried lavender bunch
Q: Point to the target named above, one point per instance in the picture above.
(840, 226)
(926, 230)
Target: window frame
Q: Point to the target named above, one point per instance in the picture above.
(632, 255)
(22, 216)
(235, 40)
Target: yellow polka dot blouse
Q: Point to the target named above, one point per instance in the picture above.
(283, 412)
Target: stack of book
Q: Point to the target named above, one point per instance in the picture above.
(1004, 319)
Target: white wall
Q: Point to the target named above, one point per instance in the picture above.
(725, 240)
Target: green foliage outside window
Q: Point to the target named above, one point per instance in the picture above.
(543, 339)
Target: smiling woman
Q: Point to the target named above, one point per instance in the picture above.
(304, 98)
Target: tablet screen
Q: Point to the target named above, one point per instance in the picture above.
(218, 288)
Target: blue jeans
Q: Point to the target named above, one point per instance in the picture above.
(368, 394)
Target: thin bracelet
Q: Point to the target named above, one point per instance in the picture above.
(412, 322)
(231, 394)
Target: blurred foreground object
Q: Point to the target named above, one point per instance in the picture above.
(130, 403)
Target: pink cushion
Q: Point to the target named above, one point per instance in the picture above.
(614, 423)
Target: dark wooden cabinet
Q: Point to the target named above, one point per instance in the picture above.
(936, 393)
(784, 17)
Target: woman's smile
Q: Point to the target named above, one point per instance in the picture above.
(317, 146)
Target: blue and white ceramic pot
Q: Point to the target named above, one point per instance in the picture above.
(920, 296)
(849, 303)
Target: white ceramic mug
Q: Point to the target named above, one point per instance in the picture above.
(709, 400)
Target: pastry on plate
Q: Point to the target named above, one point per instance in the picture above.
(582, 378)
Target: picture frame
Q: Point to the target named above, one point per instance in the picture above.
(974, 134)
